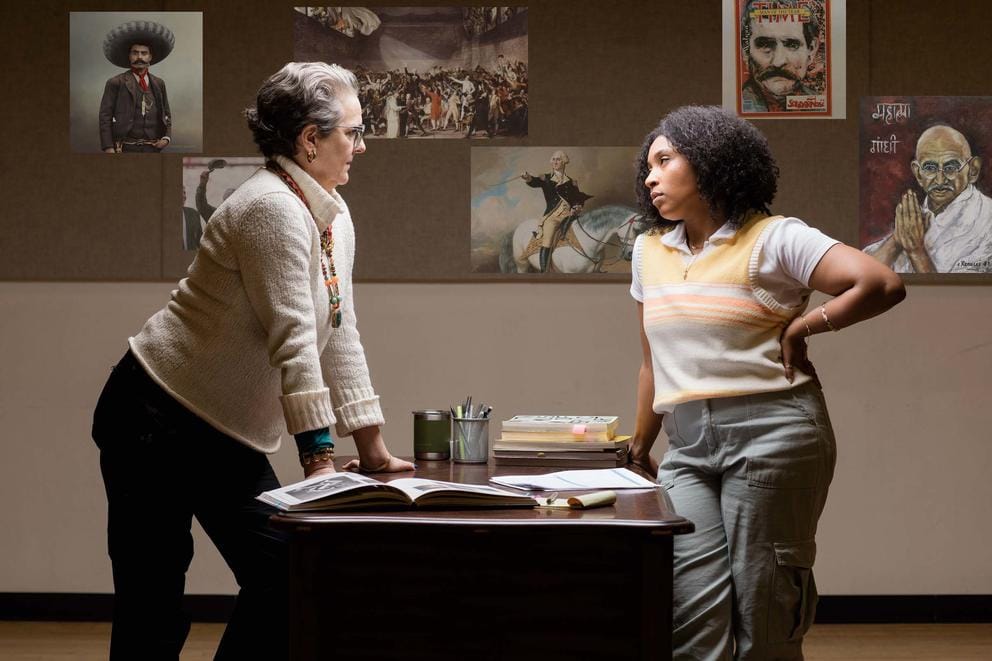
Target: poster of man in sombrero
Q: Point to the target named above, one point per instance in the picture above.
(136, 82)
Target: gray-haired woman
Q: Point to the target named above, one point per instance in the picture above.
(259, 336)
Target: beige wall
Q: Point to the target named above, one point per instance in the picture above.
(909, 393)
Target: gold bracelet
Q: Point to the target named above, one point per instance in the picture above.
(806, 324)
(826, 320)
(321, 455)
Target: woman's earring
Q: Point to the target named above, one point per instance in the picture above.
(312, 154)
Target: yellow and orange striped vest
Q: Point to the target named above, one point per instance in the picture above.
(713, 331)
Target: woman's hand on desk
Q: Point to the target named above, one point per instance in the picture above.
(390, 465)
(644, 461)
(373, 455)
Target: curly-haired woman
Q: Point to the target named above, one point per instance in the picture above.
(722, 288)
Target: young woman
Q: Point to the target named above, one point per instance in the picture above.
(722, 289)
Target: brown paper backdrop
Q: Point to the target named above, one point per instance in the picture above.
(601, 74)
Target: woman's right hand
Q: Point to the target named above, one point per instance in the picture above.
(643, 460)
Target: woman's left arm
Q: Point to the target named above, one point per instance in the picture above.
(862, 288)
(346, 372)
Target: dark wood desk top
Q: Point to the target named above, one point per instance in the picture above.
(642, 509)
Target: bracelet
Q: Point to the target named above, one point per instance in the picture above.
(806, 324)
(317, 456)
(826, 320)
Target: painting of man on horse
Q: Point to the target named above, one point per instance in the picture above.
(566, 230)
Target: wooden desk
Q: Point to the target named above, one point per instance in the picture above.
(484, 584)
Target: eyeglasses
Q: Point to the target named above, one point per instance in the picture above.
(356, 133)
(950, 168)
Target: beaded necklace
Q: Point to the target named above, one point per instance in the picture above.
(326, 245)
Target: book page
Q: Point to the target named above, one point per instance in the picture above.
(335, 487)
(415, 487)
(605, 478)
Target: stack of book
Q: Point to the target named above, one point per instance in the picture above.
(569, 441)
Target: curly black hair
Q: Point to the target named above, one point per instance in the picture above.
(735, 170)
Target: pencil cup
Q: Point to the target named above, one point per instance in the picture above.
(470, 440)
(431, 435)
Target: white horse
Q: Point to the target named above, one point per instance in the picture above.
(610, 226)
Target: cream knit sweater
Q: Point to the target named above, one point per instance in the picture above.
(249, 327)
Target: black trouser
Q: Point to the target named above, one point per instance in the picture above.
(161, 466)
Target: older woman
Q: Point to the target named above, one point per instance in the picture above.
(722, 288)
(259, 337)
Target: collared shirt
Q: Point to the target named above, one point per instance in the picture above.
(790, 253)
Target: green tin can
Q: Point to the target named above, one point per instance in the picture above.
(432, 435)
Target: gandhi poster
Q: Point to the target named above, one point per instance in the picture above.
(925, 205)
(553, 209)
(207, 182)
(135, 82)
(784, 58)
(427, 72)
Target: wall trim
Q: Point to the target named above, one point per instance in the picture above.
(99, 607)
(832, 609)
(904, 609)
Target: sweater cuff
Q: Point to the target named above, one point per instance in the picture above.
(307, 410)
(357, 414)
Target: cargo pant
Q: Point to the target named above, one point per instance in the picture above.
(752, 473)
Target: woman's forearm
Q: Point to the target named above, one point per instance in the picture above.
(647, 423)
(863, 288)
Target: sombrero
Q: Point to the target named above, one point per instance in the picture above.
(156, 36)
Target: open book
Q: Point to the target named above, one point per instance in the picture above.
(351, 491)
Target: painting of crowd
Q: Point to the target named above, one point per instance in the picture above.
(427, 72)
(479, 20)
(444, 102)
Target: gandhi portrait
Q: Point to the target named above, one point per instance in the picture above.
(951, 231)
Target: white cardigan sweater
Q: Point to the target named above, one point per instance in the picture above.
(249, 327)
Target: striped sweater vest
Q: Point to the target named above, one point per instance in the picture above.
(713, 332)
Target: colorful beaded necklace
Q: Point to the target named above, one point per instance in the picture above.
(326, 245)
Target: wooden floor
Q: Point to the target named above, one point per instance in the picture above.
(83, 641)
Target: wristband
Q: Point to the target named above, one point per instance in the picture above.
(314, 440)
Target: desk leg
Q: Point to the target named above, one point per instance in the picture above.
(656, 598)
(304, 618)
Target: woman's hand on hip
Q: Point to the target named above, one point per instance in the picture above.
(793, 342)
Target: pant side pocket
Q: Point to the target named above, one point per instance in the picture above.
(793, 597)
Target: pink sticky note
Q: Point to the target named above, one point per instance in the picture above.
(579, 430)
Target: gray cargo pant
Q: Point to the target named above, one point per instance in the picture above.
(752, 473)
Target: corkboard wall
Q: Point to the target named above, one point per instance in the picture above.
(600, 74)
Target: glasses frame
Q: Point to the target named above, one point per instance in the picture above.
(357, 136)
(942, 169)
